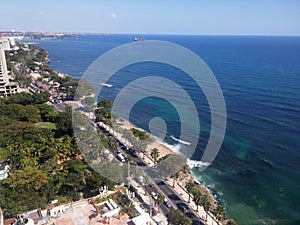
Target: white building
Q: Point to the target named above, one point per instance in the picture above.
(4, 168)
(143, 219)
(1, 217)
(7, 88)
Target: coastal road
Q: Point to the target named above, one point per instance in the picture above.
(60, 106)
(176, 200)
(162, 207)
(160, 185)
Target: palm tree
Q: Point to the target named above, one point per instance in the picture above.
(190, 189)
(154, 154)
(146, 182)
(197, 197)
(231, 222)
(160, 200)
(206, 205)
(127, 135)
(175, 176)
(219, 212)
(113, 145)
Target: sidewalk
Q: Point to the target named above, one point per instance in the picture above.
(178, 189)
(160, 217)
(185, 196)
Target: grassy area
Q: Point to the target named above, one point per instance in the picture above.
(47, 125)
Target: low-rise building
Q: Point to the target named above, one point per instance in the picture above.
(4, 168)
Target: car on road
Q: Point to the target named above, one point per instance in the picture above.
(167, 203)
(183, 207)
(174, 197)
(154, 195)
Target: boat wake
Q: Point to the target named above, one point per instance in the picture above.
(180, 141)
(196, 164)
(107, 85)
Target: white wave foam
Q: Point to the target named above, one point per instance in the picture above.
(180, 141)
(174, 148)
(197, 164)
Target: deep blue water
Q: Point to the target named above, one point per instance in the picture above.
(257, 171)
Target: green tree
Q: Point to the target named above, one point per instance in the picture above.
(32, 114)
(112, 144)
(64, 122)
(47, 112)
(231, 222)
(84, 88)
(154, 154)
(197, 197)
(206, 205)
(76, 178)
(160, 200)
(89, 103)
(27, 179)
(106, 104)
(112, 170)
(176, 217)
(190, 188)
(219, 212)
(171, 165)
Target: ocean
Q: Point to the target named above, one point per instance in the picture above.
(257, 171)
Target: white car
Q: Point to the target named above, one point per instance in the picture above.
(167, 203)
(154, 195)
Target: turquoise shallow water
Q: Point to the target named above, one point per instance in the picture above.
(257, 171)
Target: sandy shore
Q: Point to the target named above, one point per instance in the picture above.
(162, 148)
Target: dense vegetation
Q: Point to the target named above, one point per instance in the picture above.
(45, 163)
(176, 217)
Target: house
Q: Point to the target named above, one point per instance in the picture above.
(143, 219)
(30, 217)
(4, 168)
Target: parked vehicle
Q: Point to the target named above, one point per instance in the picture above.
(154, 195)
(183, 207)
(167, 203)
(121, 157)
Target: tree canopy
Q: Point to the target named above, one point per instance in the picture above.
(45, 163)
(176, 217)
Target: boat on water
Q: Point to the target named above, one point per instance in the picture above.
(138, 39)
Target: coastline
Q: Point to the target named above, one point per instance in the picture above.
(165, 149)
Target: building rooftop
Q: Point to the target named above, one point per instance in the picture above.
(3, 165)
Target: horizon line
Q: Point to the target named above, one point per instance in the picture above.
(127, 33)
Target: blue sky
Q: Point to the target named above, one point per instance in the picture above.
(241, 17)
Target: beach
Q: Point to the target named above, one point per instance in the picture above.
(164, 149)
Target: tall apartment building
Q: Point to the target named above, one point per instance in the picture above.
(1, 217)
(7, 88)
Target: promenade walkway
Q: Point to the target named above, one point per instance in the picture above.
(178, 189)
